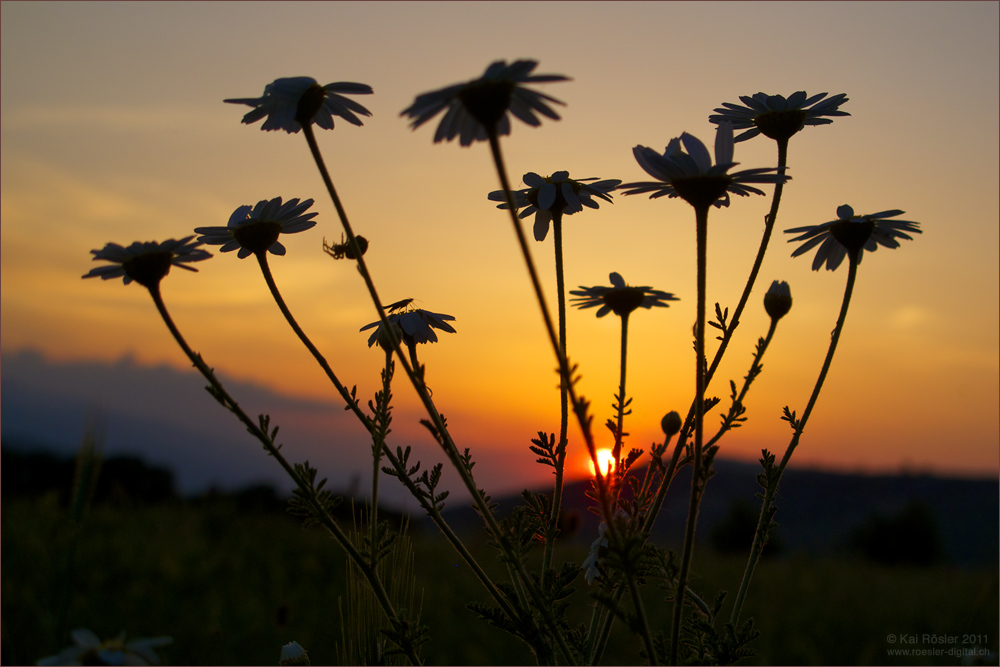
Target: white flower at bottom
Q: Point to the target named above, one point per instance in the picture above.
(293, 654)
(592, 563)
(88, 649)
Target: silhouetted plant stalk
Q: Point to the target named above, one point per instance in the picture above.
(416, 379)
(308, 491)
(697, 483)
(560, 462)
(772, 474)
(769, 220)
(379, 442)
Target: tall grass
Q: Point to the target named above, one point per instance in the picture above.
(232, 588)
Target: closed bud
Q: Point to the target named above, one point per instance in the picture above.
(671, 423)
(778, 300)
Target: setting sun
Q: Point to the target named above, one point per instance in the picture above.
(606, 460)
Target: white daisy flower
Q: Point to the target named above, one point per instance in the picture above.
(286, 102)
(776, 117)
(479, 105)
(146, 263)
(555, 193)
(255, 229)
(851, 233)
(685, 170)
(88, 649)
(620, 298)
(293, 654)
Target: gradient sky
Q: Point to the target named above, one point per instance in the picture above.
(113, 129)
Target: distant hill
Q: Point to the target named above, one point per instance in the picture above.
(817, 511)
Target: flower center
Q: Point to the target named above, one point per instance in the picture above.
(310, 102)
(258, 236)
(852, 235)
(487, 101)
(701, 191)
(624, 300)
(780, 124)
(148, 269)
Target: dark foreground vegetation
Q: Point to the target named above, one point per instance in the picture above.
(232, 577)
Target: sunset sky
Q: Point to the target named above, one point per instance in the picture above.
(113, 129)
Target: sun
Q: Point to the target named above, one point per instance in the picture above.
(606, 459)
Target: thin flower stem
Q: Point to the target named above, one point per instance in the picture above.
(320, 359)
(579, 408)
(563, 401)
(438, 519)
(701, 220)
(619, 436)
(368, 569)
(450, 448)
(769, 220)
(766, 513)
(751, 375)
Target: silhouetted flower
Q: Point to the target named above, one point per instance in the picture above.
(620, 298)
(851, 233)
(413, 326)
(286, 102)
(555, 193)
(777, 117)
(685, 170)
(778, 300)
(255, 229)
(146, 263)
(479, 105)
(88, 649)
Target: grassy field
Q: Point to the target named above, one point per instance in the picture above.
(232, 588)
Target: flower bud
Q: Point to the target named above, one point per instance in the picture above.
(671, 423)
(293, 654)
(778, 300)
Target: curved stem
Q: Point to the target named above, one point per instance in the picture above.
(448, 444)
(320, 359)
(755, 367)
(367, 569)
(768, 228)
(766, 512)
(701, 220)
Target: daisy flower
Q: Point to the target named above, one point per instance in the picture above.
(146, 263)
(287, 102)
(851, 233)
(557, 193)
(475, 108)
(620, 298)
(685, 170)
(413, 325)
(88, 649)
(776, 117)
(255, 229)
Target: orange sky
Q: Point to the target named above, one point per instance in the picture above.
(113, 129)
